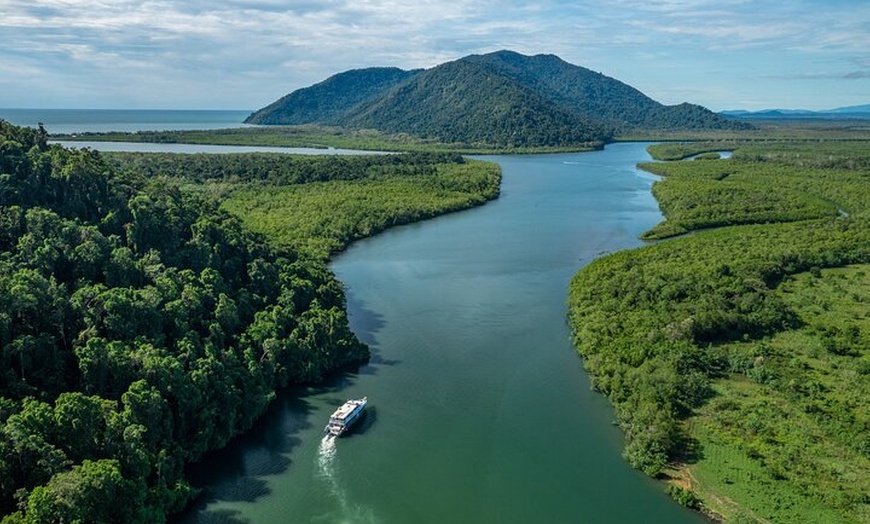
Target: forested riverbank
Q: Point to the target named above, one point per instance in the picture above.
(141, 324)
(727, 373)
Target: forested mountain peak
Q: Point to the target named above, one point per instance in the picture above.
(331, 97)
(502, 98)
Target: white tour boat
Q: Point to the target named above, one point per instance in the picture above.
(345, 416)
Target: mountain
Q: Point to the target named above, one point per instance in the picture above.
(331, 98)
(502, 99)
(851, 112)
(463, 102)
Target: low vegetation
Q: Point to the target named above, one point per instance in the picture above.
(700, 195)
(321, 218)
(308, 136)
(737, 357)
(793, 414)
(317, 205)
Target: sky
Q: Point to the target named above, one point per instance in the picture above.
(244, 54)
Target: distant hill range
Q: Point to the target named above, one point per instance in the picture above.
(851, 112)
(502, 98)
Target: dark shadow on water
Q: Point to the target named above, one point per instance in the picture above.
(365, 324)
(375, 361)
(234, 474)
(370, 416)
(219, 517)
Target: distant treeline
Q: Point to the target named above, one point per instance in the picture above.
(278, 168)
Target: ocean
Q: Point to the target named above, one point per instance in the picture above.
(68, 121)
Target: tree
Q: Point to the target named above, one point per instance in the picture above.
(106, 367)
(83, 422)
(31, 455)
(94, 492)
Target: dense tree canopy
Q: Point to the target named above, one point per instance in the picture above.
(140, 326)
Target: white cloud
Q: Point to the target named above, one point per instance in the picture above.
(238, 53)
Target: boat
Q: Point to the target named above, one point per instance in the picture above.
(345, 416)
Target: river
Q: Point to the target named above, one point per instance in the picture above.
(479, 410)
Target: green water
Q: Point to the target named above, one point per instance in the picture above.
(479, 409)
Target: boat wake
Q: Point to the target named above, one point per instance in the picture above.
(327, 470)
(326, 458)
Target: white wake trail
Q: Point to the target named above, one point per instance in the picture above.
(327, 469)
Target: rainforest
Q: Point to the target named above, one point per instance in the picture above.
(142, 324)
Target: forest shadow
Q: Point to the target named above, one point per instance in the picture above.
(235, 473)
(691, 450)
(366, 324)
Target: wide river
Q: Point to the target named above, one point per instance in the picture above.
(479, 409)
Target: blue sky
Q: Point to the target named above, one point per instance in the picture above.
(244, 54)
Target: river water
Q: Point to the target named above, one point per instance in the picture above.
(479, 411)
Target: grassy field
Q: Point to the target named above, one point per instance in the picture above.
(788, 439)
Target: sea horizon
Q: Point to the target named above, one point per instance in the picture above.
(119, 109)
(76, 120)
